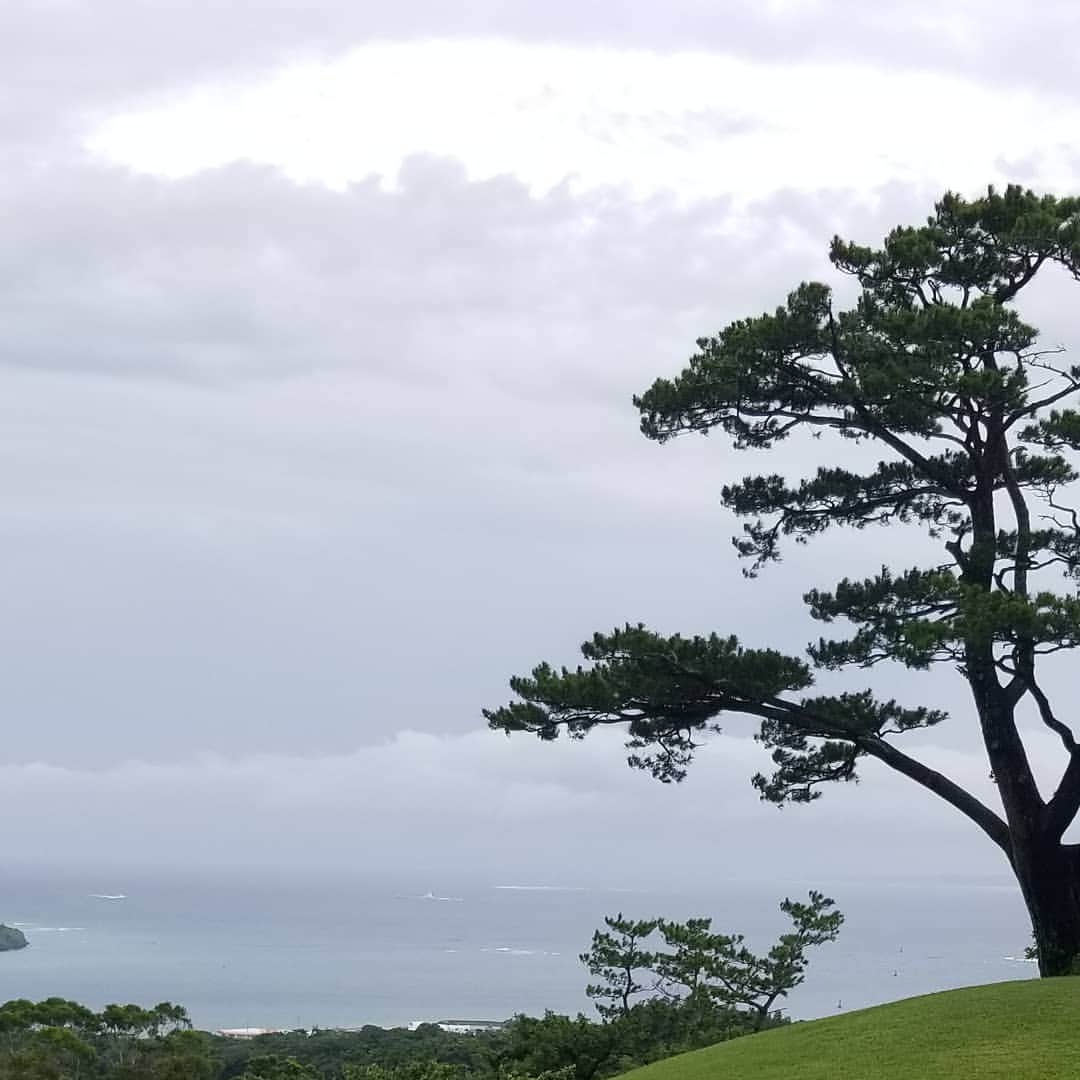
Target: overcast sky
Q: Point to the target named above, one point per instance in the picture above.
(319, 324)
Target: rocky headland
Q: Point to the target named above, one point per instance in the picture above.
(11, 938)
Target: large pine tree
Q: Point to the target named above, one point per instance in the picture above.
(934, 367)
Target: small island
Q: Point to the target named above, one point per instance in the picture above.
(11, 938)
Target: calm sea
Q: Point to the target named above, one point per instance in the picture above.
(273, 953)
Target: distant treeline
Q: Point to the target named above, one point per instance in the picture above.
(61, 1040)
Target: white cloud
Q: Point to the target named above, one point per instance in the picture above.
(696, 123)
(291, 469)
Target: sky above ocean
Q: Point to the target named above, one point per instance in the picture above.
(319, 326)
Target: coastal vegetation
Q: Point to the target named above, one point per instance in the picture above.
(11, 937)
(61, 1040)
(1006, 1031)
(947, 415)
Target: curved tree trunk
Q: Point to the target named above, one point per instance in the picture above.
(1047, 870)
(1049, 878)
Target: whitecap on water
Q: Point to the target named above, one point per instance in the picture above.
(508, 950)
(543, 888)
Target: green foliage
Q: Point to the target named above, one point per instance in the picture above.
(667, 689)
(579, 1049)
(703, 969)
(553, 1045)
(134, 1021)
(62, 1039)
(182, 1054)
(616, 958)
(49, 1052)
(413, 1070)
(664, 689)
(274, 1067)
(329, 1051)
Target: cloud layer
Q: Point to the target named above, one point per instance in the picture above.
(480, 806)
(294, 477)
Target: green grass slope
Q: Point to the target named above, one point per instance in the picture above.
(1027, 1030)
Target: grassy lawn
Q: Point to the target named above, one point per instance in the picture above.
(1027, 1030)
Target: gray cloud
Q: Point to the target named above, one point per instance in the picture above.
(417, 800)
(290, 470)
(344, 445)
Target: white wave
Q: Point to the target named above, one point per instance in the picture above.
(508, 950)
(543, 888)
(1020, 959)
(107, 896)
(52, 929)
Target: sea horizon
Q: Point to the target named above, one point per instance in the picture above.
(274, 950)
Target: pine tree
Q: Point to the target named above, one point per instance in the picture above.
(934, 368)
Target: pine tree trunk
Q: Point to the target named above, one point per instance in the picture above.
(1049, 878)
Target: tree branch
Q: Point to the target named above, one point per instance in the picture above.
(942, 786)
(877, 747)
(1065, 802)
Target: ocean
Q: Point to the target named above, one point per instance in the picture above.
(340, 952)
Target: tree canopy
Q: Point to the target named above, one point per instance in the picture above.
(700, 968)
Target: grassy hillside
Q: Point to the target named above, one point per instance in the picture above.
(1026, 1030)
